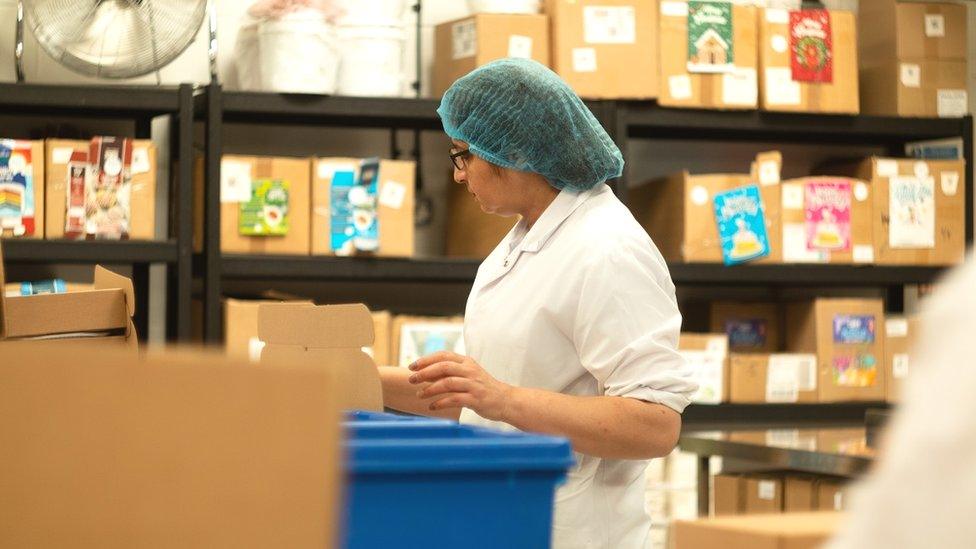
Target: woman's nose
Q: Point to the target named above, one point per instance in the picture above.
(459, 176)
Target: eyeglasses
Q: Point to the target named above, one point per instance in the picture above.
(457, 157)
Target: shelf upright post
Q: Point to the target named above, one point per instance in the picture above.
(184, 216)
(213, 326)
(967, 146)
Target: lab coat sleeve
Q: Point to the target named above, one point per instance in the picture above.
(627, 325)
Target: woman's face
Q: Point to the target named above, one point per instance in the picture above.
(494, 191)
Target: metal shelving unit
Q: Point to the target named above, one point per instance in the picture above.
(139, 105)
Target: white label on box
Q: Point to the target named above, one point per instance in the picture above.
(739, 87)
(699, 195)
(911, 207)
(254, 347)
(327, 169)
(934, 25)
(911, 75)
(679, 86)
(767, 490)
(921, 168)
(860, 191)
(899, 365)
(780, 88)
(674, 9)
(708, 371)
(779, 43)
(520, 46)
(795, 246)
(769, 173)
(782, 381)
(783, 438)
(792, 196)
(896, 327)
(718, 345)
(887, 168)
(464, 39)
(235, 181)
(805, 366)
(952, 103)
(839, 501)
(584, 60)
(777, 16)
(140, 160)
(392, 194)
(949, 183)
(609, 25)
(61, 155)
(863, 253)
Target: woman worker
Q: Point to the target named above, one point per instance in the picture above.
(572, 324)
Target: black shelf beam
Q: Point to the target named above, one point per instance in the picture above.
(802, 275)
(122, 102)
(89, 251)
(714, 416)
(322, 110)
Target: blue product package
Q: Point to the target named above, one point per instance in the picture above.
(854, 329)
(354, 215)
(53, 286)
(746, 333)
(741, 225)
(341, 223)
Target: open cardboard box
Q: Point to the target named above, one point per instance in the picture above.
(98, 316)
(329, 336)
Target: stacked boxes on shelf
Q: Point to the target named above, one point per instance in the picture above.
(765, 493)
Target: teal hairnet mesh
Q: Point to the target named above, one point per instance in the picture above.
(518, 114)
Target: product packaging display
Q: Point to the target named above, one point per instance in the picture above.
(913, 58)
(606, 51)
(827, 220)
(741, 223)
(363, 206)
(21, 189)
(466, 44)
(847, 335)
(710, 60)
(808, 61)
(708, 357)
(108, 188)
(901, 333)
(781, 378)
(72, 203)
(415, 336)
(39, 287)
(750, 327)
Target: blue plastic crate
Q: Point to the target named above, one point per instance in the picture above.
(420, 482)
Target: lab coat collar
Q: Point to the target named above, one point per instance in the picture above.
(565, 203)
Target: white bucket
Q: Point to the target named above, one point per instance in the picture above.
(505, 6)
(247, 58)
(371, 10)
(372, 60)
(299, 53)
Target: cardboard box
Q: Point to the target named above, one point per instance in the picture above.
(847, 336)
(417, 336)
(728, 495)
(764, 494)
(793, 531)
(916, 88)
(142, 205)
(176, 449)
(465, 44)
(912, 30)
(470, 231)
(331, 337)
(813, 220)
(25, 226)
(926, 232)
(707, 356)
(382, 329)
(241, 339)
(606, 49)
(736, 88)
(94, 317)
(750, 327)
(831, 495)
(780, 378)
(679, 212)
(799, 494)
(901, 334)
(396, 203)
(782, 92)
(238, 174)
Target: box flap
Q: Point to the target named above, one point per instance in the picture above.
(315, 327)
(106, 279)
(50, 314)
(355, 373)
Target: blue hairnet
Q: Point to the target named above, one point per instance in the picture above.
(518, 114)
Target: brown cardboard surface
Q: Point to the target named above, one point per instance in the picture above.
(149, 453)
(470, 231)
(38, 171)
(382, 328)
(142, 220)
(838, 96)
(886, 23)
(799, 494)
(728, 494)
(241, 327)
(901, 334)
(713, 392)
(396, 219)
(862, 226)
(831, 496)
(623, 70)
(777, 531)
(749, 378)
(497, 36)
(707, 90)
(396, 354)
(768, 314)
(809, 329)
(329, 337)
(297, 172)
(764, 494)
(950, 205)
(886, 93)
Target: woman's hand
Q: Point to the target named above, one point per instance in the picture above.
(460, 382)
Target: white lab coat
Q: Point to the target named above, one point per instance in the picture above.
(582, 304)
(922, 490)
